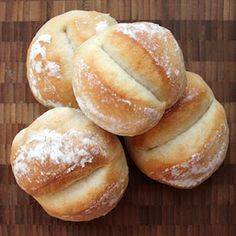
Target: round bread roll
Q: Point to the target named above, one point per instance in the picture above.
(50, 55)
(74, 169)
(189, 143)
(127, 76)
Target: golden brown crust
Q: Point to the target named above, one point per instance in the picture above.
(139, 83)
(64, 155)
(99, 203)
(98, 207)
(161, 69)
(185, 155)
(49, 67)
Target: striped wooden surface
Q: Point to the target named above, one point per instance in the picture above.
(206, 31)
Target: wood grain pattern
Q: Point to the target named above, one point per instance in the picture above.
(206, 31)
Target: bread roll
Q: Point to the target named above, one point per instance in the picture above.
(189, 143)
(50, 55)
(74, 169)
(127, 76)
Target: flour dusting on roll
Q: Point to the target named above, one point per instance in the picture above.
(189, 143)
(50, 55)
(137, 32)
(125, 77)
(74, 169)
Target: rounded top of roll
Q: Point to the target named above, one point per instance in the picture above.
(135, 68)
(58, 147)
(190, 141)
(49, 58)
(161, 54)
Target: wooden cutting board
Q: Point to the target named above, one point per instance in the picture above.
(206, 31)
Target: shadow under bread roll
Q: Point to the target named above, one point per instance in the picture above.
(189, 143)
(74, 169)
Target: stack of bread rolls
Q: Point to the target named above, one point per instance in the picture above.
(103, 79)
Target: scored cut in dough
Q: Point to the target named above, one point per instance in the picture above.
(51, 52)
(74, 169)
(189, 143)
